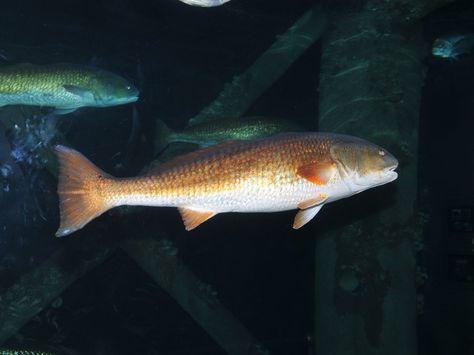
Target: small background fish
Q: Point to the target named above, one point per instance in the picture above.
(213, 132)
(23, 352)
(453, 46)
(205, 3)
(66, 87)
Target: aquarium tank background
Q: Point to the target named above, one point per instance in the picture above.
(132, 84)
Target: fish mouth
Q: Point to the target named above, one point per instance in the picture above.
(130, 99)
(122, 101)
(391, 173)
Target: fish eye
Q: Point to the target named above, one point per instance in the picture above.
(381, 153)
(128, 87)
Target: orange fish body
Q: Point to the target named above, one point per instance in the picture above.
(283, 172)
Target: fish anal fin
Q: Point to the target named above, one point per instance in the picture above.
(321, 198)
(304, 216)
(317, 173)
(194, 217)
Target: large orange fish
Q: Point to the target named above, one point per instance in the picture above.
(278, 173)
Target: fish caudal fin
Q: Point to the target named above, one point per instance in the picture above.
(79, 186)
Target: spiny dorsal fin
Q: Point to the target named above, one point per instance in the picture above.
(317, 173)
(193, 218)
(189, 157)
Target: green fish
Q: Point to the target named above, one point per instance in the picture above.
(65, 87)
(23, 352)
(216, 131)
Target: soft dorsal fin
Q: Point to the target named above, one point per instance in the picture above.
(189, 157)
(194, 217)
(318, 173)
(321, 198)
(304, 216)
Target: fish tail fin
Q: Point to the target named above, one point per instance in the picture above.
(163, 137)
(79, 186)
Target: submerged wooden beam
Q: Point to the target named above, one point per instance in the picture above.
(245, 89)
(372, 72)
(159, 259)
(39, 287)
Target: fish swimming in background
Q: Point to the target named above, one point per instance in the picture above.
(205, 3)
(216, 131)
(65, 87)
(454, 46)
(23, 352)
(283, 172)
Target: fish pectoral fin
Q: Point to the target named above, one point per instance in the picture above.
(64, 111)
(194, 217)
(304, 216)
(78, 91)
(321, 198)
(317, 173)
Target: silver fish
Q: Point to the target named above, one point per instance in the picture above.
(205, 3)
(453, 47)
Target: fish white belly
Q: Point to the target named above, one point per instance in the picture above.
(40, 99)
(247, 198)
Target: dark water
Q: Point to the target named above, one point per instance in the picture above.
(252, 266)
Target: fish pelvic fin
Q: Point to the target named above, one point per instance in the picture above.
(194, 217)
(80, 189)
(304, 216)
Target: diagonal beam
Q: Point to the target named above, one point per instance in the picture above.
(40, 286)
(158, 258)
(245, 89)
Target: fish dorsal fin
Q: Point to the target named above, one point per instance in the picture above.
(319, 173)
(194, 217)
(304, 216)
(189, 157)
(321, 198)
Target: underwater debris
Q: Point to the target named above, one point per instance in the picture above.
(167, 248)
(208, 293)
(30, 142)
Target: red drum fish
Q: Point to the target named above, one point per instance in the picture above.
(283, 172)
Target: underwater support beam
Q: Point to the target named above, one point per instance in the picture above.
(38, 288)
(237, 96)
(158, 258)
(371, 79)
